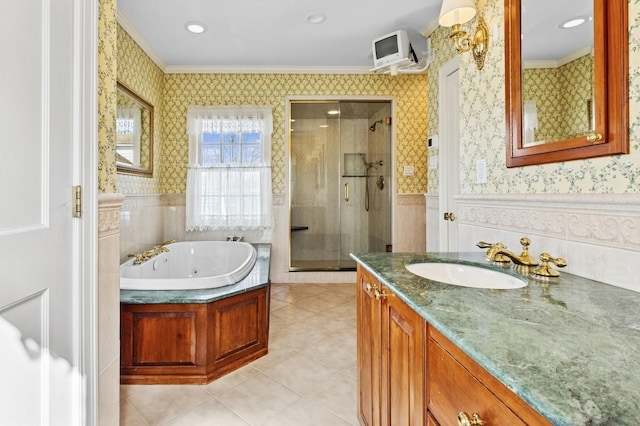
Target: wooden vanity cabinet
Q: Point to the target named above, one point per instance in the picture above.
(411, 374)
(456, 383)
(391, 349)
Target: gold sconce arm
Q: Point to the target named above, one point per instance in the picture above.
(478, 45)
(454, 13)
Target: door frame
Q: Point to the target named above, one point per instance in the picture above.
(85, 229)
(448, 163)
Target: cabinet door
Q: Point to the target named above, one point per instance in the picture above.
(368, 344)
(403, 363)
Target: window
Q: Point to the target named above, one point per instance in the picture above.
(128, 135)
(229, 171)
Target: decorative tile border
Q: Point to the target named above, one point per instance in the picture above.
(604, 220)
(109, 214)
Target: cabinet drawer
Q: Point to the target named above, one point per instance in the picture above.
(452, 389)
(458, 383)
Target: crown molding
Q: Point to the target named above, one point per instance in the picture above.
(261, 69)
(555, 63)
(428, 29)
(139, 39)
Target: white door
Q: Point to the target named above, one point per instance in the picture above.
(449, 153)
(42, 365)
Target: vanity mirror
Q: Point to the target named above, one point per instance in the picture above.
(134, 133)
(571, 104)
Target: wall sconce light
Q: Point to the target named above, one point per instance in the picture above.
(454, 13)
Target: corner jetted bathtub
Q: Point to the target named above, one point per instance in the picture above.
(191, 265)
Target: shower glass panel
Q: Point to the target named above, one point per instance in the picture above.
(340, 183)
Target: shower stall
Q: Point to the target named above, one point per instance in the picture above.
(339, 182)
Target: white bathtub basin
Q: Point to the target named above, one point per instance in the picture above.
(465, 275)
(191, 265)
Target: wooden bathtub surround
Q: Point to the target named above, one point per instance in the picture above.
(192, 342)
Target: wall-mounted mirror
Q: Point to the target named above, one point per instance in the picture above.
(566, 80)
(134, 133)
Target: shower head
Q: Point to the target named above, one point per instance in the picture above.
(372, 128)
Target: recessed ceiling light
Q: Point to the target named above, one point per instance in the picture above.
(575, 22)
(323, 125)
(333, 112)
(316, 18)
(195, 27)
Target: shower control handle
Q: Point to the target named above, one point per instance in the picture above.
(346, 191)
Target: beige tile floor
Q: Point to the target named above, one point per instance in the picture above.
(308, 378)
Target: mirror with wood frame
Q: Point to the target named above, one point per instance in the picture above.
(596, 121)
(134, 133)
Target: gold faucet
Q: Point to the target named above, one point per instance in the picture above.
(148, 254)
(498, 253)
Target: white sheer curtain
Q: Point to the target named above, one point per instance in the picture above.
(229, 170)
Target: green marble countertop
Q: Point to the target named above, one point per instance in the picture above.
(570, 348)
(258, 277)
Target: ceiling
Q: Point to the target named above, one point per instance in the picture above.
(543, 39)
(275, 33)
(245, 34)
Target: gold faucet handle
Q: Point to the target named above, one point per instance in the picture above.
(164, 243)
(492, 254)
(492, 247)
(545, 270)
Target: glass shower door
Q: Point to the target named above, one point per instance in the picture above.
(334, 207)
(314, 177)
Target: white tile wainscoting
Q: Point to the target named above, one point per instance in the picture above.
(146, 220)
(108, 308)
(598, 234)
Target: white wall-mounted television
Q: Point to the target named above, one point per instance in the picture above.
(392, 49)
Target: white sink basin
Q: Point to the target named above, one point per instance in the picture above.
(465, 275)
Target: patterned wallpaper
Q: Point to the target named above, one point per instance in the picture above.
(181, 90)
(483, 133)
(561, 96)
(139, 73)
(482, 112)
(577, 80)
(107, 27)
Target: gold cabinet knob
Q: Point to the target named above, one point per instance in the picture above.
(464, 420)
(379, 294)
(369, 286)
(594, 137)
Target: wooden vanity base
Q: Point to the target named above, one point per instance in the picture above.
(192, 342)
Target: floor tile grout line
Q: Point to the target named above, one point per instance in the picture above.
(233, 411)
(144, 419)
